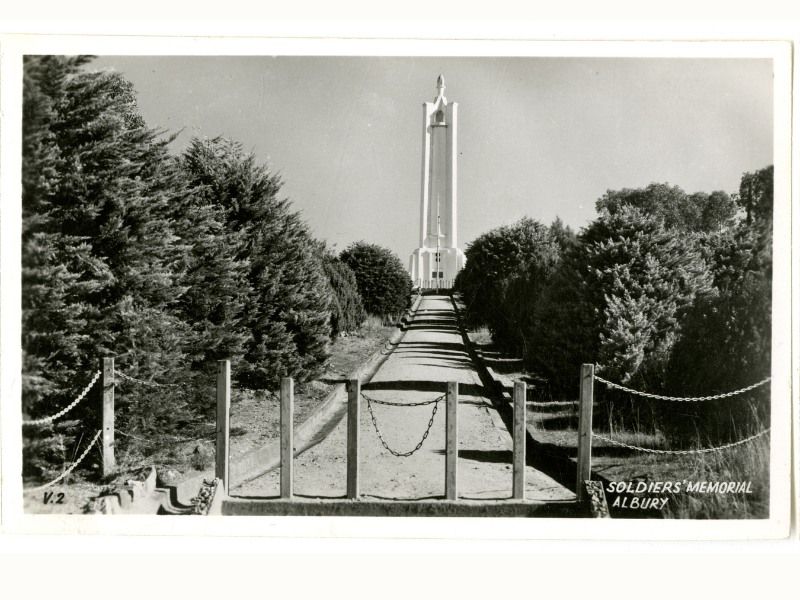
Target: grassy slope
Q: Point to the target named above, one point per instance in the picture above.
(555, 421)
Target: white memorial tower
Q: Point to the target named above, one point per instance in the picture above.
(438, 259)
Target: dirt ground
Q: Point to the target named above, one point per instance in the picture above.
(255, 416)
(431, 354)
(60, 499)
(255, 420)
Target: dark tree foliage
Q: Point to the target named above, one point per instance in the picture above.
(347, 310)
(383, 282)
(563, 235)
(283, 289)
(215, 282)
(490, 260)
(727, 336)
(505, 273)
(755, 196)
(166, 264)
(98, 250)
(648, 278)
(618, 299)
(665, 292)
(674, 207)
(564, 316)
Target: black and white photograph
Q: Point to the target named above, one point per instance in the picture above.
(549, 285)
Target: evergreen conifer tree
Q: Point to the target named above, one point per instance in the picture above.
(286, 312)
(383, 282)
(506, 271)
(347, 309)
(726, 342)
(99, 253)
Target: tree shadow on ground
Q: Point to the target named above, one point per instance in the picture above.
(572, 451)
(551, 407)
(433, 328)
(557, 422)
(482, 402)
(504, 367)
(443, 356)
(432, 351)
(450, 363)
(430, 347)
(486, 456)
(466, 389)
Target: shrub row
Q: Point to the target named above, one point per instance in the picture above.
(663, 291)
(168, 263)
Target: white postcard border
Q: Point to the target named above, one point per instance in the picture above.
(15, 521)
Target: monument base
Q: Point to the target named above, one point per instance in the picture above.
(429, 273)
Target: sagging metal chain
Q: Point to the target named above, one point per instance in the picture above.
(151, 384)
(681, 398)
(424, 435)
(387, 403)
(682, 452)
(71, 468)
(63, 411)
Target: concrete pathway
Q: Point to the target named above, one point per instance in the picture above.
(431, 354)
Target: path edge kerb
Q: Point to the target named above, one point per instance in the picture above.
(499, 392)
(317, 426)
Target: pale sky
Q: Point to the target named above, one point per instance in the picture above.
(541, 137)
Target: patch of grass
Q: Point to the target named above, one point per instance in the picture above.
(370, 325)
(642, 439)
(747, 463)
(555, 421)
(203, 456)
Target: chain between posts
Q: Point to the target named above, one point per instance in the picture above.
(387, 403)
(682, 452)
(622, 388)
(63, 411)
(435, 403)
(71, 468)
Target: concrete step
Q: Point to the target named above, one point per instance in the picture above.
(144, 498)
(367, 507)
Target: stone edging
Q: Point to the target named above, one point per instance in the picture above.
(500, 383)
(129, 498)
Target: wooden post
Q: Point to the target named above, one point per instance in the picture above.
(107, 392)
(223, 423)
(353, 416)
(585, 429)
(520, 393)
(451, 442)
(287, 441)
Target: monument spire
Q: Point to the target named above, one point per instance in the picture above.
(440, 87)
(438, 259)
